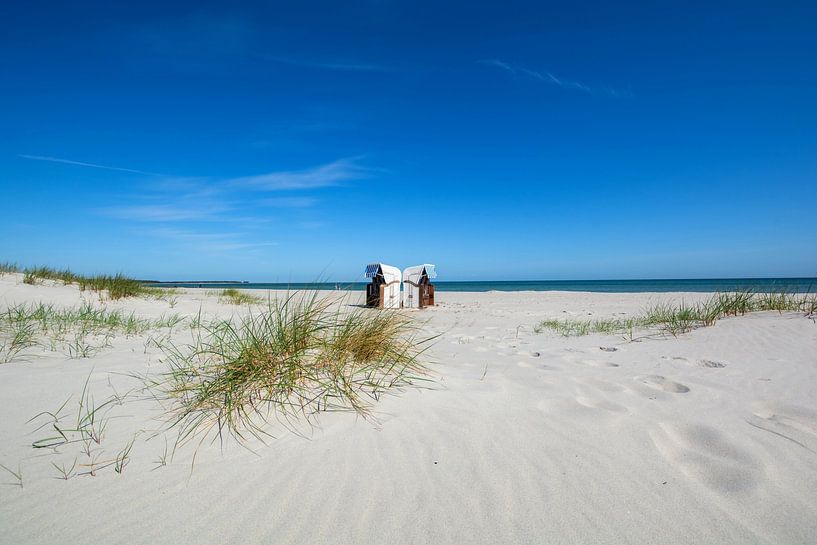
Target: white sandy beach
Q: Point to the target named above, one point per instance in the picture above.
(524, 437)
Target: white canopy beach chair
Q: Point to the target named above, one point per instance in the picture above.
(384, 290)
(418, 291)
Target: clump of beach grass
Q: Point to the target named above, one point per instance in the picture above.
(26, 325)
(169, 295)
(16, 337)
(238, 297)
(7, 267)
(115, 286)
(290, 360)
(571, 328)
(678, 318)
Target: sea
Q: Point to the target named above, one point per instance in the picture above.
(798, 285)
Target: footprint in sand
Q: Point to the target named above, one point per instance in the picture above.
(711, 364)
(661, 383)
(706, 455)
(790, 419)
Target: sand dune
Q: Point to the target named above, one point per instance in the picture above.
(524, 437)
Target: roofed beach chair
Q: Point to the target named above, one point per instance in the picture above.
(418, 290)
(384, 290)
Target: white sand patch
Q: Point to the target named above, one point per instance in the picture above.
(710, 437)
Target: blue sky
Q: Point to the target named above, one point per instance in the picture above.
(297, 140)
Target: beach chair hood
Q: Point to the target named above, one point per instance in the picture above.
(390, 274)
(414, 273)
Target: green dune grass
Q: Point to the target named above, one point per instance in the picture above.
(238, 297)
(79, 331)
(115, 286)
(293, 359)
(677, 318)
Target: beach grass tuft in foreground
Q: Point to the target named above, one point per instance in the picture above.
(290, 360)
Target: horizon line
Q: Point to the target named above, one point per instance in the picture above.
(362, 281)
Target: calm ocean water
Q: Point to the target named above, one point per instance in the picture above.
(609, 286)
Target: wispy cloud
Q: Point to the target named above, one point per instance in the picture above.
(193, 199)
(550, 78)
(208, 41)
(164, 212)
(212, 241)
(190, 236)
(223, 214)
(289, 202)
(498, 64)
(83, 164)
(322, 176)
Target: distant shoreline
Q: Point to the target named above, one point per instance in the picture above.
(160, 282)
(799, 285)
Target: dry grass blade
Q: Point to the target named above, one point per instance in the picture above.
(18, 475)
